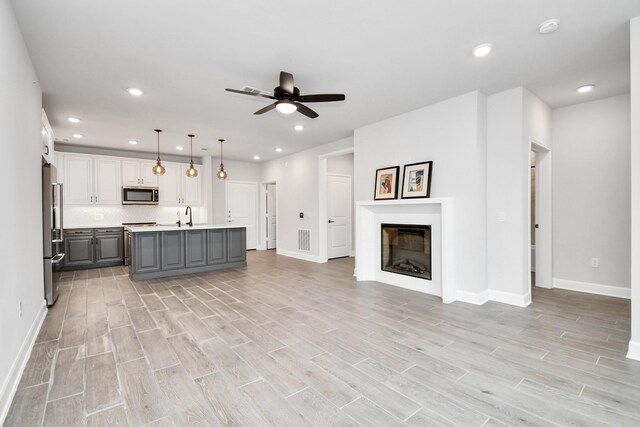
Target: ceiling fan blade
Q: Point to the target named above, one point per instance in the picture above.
(265, 109)
(306, 110)
(286, 82)
(250, 93)
(322, 98)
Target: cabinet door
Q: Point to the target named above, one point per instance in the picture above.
(78, 180)
(196, 248)
(131, 173)
(146, 252)
(191, 187)
(169, 185)
(107, 182)
(172, 250)
(217, 246)
(236, 244)
(109, 247)
(146, 174)
(78, 251)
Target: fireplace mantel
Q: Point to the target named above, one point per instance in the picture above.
(436, 212)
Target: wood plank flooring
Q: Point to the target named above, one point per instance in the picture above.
(285, 342)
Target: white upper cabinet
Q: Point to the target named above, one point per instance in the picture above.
(169, 185)
(191, 187)
(47, 139)
(90, 181)
(107, 182)
(138, 173)
(78, 180)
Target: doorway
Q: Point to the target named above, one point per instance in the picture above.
(271, 216)
(242, 208)
(339, 216)
(540, 231)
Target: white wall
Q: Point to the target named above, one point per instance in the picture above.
(21, 252)
(297, 178)
(634, 344)
(452, 135)
(591, 192)
(238, 171)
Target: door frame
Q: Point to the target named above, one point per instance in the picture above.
(262, 208)
(226, 204)
(322, 200)
(544, 234)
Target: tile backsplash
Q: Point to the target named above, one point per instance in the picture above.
(103, 216)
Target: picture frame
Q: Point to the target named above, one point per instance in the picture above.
(416, 180)
(386, 183)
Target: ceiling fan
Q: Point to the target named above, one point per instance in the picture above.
(288, 98)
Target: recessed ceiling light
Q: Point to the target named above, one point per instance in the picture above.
(135, 91)
(179, 148)
(585, 88)
(256, 157)
(77, 135)
(298, 127)
(278, 150)
(133, 142)
(549, 26)
(73, 119)
(482, 50)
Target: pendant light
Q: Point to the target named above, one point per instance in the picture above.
(158, 169)
(222, 174)
(191, 172)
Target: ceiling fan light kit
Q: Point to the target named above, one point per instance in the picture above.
(288, 98)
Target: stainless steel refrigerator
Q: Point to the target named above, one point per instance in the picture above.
(52, 226)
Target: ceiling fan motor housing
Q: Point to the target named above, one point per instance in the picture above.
(279, 93)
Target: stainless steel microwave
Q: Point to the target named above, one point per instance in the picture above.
(140, 195)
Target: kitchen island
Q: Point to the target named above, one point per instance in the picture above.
(163, 251)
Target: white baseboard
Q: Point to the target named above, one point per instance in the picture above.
(510, 298)
(593, 288)
(634, 350)
(13, 379)
(300, 255)
(472, 298)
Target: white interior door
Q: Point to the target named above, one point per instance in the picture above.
(271, 217)
(338, 216)
(242, 208)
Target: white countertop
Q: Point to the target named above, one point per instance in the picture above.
(184, 227)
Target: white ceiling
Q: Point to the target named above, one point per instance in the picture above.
(388, 57)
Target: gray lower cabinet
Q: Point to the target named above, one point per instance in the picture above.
(92, 248)
(157, 254)
(236, 244)
(196, 248)
(146, 253)
(217, 243)
(172, 250)
(79, 249)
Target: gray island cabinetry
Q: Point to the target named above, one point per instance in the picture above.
(171, 251)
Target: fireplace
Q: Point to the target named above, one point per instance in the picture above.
(406, 249)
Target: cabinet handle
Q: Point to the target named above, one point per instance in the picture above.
(96, 199)
(142, 181)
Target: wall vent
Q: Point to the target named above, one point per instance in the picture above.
(304, 240)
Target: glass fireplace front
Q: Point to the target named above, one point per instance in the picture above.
(406, 249)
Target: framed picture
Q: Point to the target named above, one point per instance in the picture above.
(387, 183)
(416, 182)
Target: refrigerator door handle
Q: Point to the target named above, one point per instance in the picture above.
(56, 259)
(58, 203)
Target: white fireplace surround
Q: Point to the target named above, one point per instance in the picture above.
(434, 212)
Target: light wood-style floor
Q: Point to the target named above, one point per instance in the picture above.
(289, 343)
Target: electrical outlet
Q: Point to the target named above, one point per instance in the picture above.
(20, 310)
(595, 263)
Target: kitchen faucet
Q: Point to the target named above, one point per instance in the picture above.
(188, 211)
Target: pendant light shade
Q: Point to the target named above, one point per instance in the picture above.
(158, 169)
(222, 174)
(191, 172)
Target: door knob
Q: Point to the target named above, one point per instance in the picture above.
(330, 221)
